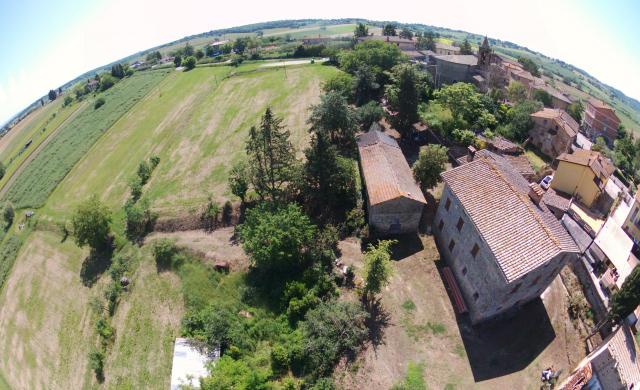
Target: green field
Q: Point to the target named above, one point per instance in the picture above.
(33, 186)
(197, 123)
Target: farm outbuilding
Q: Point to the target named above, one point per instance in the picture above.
(394, 200)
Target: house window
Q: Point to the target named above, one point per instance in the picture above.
(441, 225)
(447, 204)
(452, 244)
(460, 224)
(464, 270)
(476, 296)
(475, 250)
(515, 289)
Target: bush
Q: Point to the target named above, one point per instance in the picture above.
(96, 362)
(144, 172)
(279, 359)
(164, 252)
(99, 103)
(8, 214)
(209, 215)
(189, 63)
(369, 114)
(107, 81)
(136, 188)
(227, 213)
(139, 219)
(67, 101)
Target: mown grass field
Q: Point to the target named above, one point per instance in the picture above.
(53, 162)
(197, 123)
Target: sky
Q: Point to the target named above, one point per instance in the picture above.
(46, 43)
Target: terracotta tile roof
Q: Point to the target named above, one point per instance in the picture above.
(624, 350)
(554, 200)
(599, 164)
(440, 45)
(599, 104)
(521, 235)
(387, 174)
(522, 165)
(562, 119)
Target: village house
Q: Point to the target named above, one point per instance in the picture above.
(500, 240)
(446, 50)
(558, 99)
(216, 47)
(554, 131)
(614, 365)
(631, 225)
(582, 175)
(394, 200)
(600, 120)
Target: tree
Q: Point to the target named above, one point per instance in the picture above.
(389, 30)
(403, 95)
(139, 219)
(177, 60)
(361, 30)
(90, 222)
(430, 164)
(366, 87)
(342, 83)
(3, 170)
(52, 95)
(625, 301)
(329, 180)
(117, 71)
(529, 65)
(516, 92)
(271, 157)
(519, 120)
(154, 56)
(467, 108)
(543, 97)
(406, 33)
(99, 103)
(239, 180)
(187, 50)
(334, 117)
(378, 269)
(465, 48)
(576, 109)
(199, 54)
(8, 214)
(378, 55)
(189, 63)
(331, 330)
(239, 45)
(107, 81)
(426, 42)
(275, 237)
(67, 101)
(369, 114)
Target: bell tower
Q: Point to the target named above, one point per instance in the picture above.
(484, 53)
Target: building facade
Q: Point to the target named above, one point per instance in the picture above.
(582, 175)
(631, 225)
(446, 50)
(600, 120)
(554, 131)
(394, 200)
(504, 248)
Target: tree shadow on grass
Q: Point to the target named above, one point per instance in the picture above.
(377, 321)
(94, 265)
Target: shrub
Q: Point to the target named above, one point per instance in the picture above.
(164, 251)
(154, 161)
(279, 359)
(8, 214)
(107, 81)
(227, 213)
(136, 188)
(144, 172)
(209, 215)
(67, 101)
(189, 63)
(139, 219)
(99, 103)
(96, 361)
(354, 221)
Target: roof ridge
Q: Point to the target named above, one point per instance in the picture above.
(523, 199)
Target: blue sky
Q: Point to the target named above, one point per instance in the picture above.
(46, 43)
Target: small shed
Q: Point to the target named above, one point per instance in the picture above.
(190, 360)
(394, 200)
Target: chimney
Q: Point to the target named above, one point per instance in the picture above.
(535, 193)
(471, 153)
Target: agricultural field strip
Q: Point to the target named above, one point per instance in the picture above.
(47, 169)
(13, 170)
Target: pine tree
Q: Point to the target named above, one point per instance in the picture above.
(466, 47)
(361, 30)
(271, 157)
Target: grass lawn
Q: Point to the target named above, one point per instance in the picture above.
(536, 158)
(197, 123)
(42, 174)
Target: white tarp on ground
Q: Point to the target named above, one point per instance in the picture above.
(190, 361)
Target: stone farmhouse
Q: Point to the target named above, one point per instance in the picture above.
(582, 175)
(394, 200)
(614, 365)
(600, 120)
(503, 244)
(554, 131)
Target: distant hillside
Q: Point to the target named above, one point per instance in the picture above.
(578, 82)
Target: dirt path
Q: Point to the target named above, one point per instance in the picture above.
(35, 152)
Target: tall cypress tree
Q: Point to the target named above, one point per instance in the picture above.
(271, 157)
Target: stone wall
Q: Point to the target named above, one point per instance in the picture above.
(397, 216)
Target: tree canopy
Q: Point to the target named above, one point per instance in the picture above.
(625, 301)
(91, 221)
(361, 30)
(408, 85)
(378, 269)
(529, 65)
(335, 118)
(379, 56)
(430, 164)
(389, 30)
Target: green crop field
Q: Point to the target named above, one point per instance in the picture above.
(53, 162)
(197, 123)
